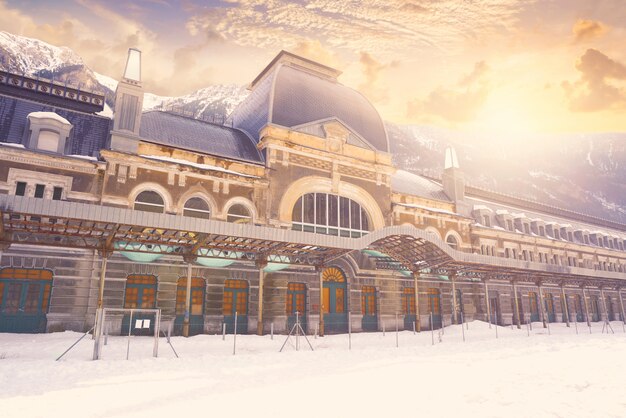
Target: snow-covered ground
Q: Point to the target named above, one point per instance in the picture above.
(563, 374)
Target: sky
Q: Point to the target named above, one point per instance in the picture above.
(508, 67)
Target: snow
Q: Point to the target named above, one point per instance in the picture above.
(11, 144)
(84, 157)
(482, 207)
(49, 115)
(437, 210)
(541, 375)
(196, 165)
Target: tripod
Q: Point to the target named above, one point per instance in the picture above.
(298, 329)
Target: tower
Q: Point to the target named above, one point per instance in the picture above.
(128, 106)
(453, 179)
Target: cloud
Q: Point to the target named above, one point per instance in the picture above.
(372, 70)
(456, 105)
(586, 30)
(600, 86)
(313, 50)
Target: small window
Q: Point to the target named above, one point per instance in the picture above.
(57, 192)
(197, 208)
(238, 214)
(149, 201)
(48, 141)
(542, 231)
(486, 221)
(39, 190)
(20, 188)
(452, 242)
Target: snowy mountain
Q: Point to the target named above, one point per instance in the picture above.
(581, 172)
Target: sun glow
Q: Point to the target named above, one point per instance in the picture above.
(506, 117)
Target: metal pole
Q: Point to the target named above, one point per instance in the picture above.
(77, 341)
(224, 331)
(495, 323)
(349, 330)
(297, 330)
(417, 310)
(157, 330)
(103, 269)
(413, 327)
(517, 311)
(606, 311)
(454, 302)
(259, 326)
(462, 328)
(272, 331)
(321, 279)
(565, 305)
(396, 330)
(621, 302)
(383, 328)
(487, 303)
(187, 302)
(576, 325)
(235, 334)
(528, 328)
(130, 327)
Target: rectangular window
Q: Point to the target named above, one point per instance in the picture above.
(344, 212)
(20, 188)
(56, 193)
(320, 208)
(39, 190)
(309, 208)
(333, 211)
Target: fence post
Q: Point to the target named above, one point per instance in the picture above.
(432, 332)
(224, 331)
(413, 327)
(272, 331)
(130, 327)
(396, 330)
(349, 330)
(462, 328)
(235, 334)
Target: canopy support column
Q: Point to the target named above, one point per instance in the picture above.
(621, 303)
(586, 305)
(418, 324)
(565, 305)
(606, 311)
(187, 300)
(487, 302)
(261, 266)
(517, 313)
(454, 301)
(320, 273)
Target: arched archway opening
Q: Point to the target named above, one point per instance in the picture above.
(334, 304)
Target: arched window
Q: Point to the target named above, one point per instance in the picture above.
(149, 201)
(452, 242)
(197, 208)
(239, 214)
(324, 213)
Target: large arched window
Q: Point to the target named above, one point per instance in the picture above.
(197, 208)
(149, 201)
(329, 214)
(239, 214)
(452, 242)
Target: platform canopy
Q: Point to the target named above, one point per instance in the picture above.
(25, 220)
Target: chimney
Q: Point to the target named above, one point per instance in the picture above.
(453, 179)
(128, 106)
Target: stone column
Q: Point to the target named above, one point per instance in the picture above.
(586, 306)
(543, 306)
(187, 300)
(454, 301)
(320, 271)
(565, 305)
(418, 324)
(261, 266)
(487, 303)
(517, 312)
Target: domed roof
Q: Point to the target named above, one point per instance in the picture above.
(293, 91)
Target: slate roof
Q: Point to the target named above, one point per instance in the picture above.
(292, 96)
(195, 135)
(88, 135)
(413, 184)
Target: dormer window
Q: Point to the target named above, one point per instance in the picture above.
(47, 131)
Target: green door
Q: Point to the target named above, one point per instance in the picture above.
(24, 299)
(141, 290)
(334, 297)
(609, 308)
(434, 305)
(296, 303)
(578, 308)
(368, 308)
(595, 308)
(236, 301)
(196, 312)
(494, 305)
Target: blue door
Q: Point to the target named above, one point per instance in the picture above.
(24, 299)
(236, 301)
(594, 308)
(334, 297)
(578, 308)
(408, 307)
(434, 304)
(368, 308)
(296, 303)
(140, 293)
(196, 312)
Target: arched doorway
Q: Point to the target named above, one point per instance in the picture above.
(368, 308)
(550, 307)
(594, 309)
(236, 301)
(408, 307)
(141, 291)
(24, 299)
(196, 310)
(578, 308)
(533, 307)
(334, 301)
